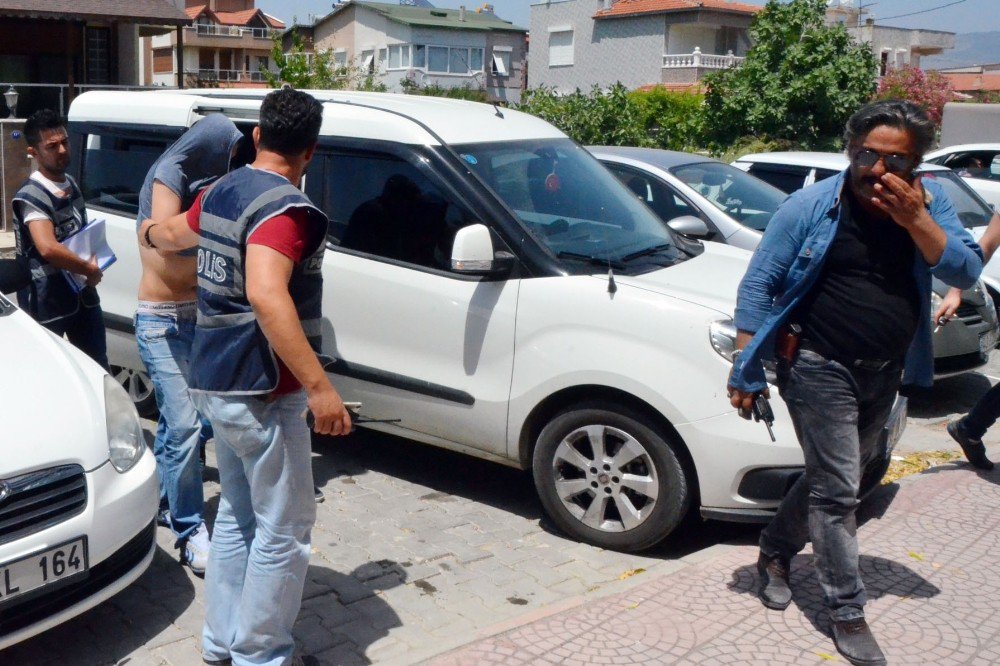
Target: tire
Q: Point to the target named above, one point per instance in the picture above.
(636, 514)
(139, 388)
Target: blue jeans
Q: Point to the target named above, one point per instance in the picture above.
(838, 416)
(260, 544)
(164, 332)
(85, 328)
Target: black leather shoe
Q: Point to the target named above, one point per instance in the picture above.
(217, 662)
(318, 495)
(854, 640)
(973, 449)
(774, 591)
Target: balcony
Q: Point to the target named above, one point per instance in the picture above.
(227, 76)
(224, 36)
(691, 67)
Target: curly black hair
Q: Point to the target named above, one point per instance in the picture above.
(41, 121)
(289, 121)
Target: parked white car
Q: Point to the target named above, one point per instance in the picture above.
(977, 163)
(965, 344)
(493, 287)
(78, 491)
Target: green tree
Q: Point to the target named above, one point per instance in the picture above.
(316, 71)
(599, 117)
(671, 120)
(800, 81)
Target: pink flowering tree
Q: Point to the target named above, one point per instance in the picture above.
(928, 90)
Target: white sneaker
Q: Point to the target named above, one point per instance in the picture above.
(194, 551)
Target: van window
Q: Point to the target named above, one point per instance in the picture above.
(385, 206)
(114, 168)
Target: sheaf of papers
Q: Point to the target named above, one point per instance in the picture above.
(89, 242)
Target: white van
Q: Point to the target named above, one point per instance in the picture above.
(493, 287)
(78, 491)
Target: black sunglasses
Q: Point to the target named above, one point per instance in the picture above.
(897, 164)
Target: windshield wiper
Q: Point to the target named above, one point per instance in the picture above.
(590, 259)
(648, 251)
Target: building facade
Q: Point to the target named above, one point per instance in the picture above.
(581, 43)
(228, 44)
(50, 51)
(893, 48)
(425, 46)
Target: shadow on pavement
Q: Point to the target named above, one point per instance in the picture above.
(881, 577)
(450, 473)
(952, 395)
(128, 621)
(332, 601)
(445, 472)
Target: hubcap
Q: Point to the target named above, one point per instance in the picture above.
(136, 384)
(605, 477)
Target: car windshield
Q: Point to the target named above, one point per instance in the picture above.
(574, 206)
(748, 200)
(969, 206)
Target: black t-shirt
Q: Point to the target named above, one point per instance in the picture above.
(865, 303)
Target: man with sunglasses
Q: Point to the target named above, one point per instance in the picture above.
(842, 278)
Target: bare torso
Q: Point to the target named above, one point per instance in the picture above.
(167, 277)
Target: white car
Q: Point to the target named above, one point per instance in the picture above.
(78, 491)
(493, 287)
(966, 343)
(977, 163)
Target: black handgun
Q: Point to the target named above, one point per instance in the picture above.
(762, 412)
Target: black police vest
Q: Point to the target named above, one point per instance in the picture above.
(49, 296)
(230, 354)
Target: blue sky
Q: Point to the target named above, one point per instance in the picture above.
(966, 16)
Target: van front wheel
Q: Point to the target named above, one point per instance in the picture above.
(607, 478)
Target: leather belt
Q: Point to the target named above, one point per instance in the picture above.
(870, 364)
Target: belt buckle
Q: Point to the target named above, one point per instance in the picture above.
(874, 366)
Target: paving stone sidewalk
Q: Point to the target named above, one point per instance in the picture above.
(929, 558)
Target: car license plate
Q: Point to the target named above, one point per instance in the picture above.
(47, 567)
(987, 341)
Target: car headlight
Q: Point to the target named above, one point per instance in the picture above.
(125, 438)
(722, 334)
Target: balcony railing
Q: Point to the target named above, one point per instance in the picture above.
(703, 60)
(230, 75)
(231, 31)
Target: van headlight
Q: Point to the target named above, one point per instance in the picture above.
(125, 438)
(722, 334)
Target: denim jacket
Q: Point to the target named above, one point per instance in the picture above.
(790, 257)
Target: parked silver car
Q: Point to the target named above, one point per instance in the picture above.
(708, 199)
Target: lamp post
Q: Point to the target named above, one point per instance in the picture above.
(11, 98)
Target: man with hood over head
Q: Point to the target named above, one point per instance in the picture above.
(165, 322)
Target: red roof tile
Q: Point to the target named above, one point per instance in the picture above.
(634, 7)
(241, 18)
(973, 82)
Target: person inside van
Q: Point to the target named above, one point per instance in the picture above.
(164, 328)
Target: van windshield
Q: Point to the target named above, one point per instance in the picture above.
(573, 206)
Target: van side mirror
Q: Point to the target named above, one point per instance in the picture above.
(472, 253)
(690, 226)
(14, 275)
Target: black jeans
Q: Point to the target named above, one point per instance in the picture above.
(85, 331)
(838, 414)
(983, 415)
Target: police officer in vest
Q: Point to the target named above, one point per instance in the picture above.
(47, 209)
(254, 374)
